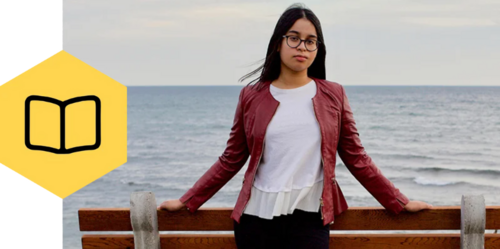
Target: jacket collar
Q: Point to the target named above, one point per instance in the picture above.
(268, 106)
(269, 96)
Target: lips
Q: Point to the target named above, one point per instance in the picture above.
(300, 57)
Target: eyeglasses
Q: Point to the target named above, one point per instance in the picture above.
(294, 42)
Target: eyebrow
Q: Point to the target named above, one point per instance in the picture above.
(297, 32)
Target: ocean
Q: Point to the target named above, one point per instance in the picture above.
(435, 143)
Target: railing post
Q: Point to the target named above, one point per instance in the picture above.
(143, 215)
(472, 222)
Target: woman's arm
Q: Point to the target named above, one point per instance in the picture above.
(228, 164)
(353, 154)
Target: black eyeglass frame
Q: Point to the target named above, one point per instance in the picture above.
(301, 40)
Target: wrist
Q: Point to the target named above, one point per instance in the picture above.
(401, 203)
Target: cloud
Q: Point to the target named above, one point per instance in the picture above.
(156, 42)
(154, 24)
(452, 22)
(152, 19)
(397, 14)
(155, 19)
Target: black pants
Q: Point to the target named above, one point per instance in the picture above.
(300, 230)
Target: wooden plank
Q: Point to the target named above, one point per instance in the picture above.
(493, 217)
(104, 219)
(337, 241)
(355, 218)
(108, 241)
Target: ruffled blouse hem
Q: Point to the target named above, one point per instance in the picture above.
(269, 204)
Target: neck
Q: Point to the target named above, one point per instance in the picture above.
(291, 79)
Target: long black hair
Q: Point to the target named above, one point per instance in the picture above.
(271, 68)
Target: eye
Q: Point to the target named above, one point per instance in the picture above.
(294, 38)
(311, 42)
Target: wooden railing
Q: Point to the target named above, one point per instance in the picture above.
(145, 221)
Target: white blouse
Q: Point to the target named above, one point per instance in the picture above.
(290, 175)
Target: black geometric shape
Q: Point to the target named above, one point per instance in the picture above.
(62, 105)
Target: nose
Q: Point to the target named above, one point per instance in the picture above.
(302, 45)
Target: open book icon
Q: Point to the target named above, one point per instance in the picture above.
(62, 127)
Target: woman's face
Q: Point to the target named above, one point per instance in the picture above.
(299, 59)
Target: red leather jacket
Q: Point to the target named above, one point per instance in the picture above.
(338, 133)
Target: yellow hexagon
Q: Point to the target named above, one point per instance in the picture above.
(63, 124)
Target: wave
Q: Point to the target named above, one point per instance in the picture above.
(489, 172)
(229, 188)
(381, 127)
(142, 184)
(155, 185)
(401, 156)
(432, 182)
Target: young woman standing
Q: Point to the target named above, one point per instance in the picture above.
(291, 123)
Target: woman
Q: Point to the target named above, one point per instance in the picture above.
(291, 123)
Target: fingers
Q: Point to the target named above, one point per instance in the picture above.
(415, 206)
(163, 206)
(426, 206)
(170, 206)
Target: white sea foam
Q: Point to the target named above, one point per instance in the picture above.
(434, 182)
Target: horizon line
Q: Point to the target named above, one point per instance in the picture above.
(342, 85)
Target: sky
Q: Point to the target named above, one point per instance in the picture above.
(368, 42)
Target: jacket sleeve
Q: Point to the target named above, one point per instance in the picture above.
(354, 156)
(228, 164)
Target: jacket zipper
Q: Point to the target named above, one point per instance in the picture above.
(258, 163)
(323, 188)
(253, 180)
(323, 164)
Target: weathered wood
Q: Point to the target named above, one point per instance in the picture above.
(473, 222)
(355, 218)
(143, 215)
(104, 219)
(337, 241)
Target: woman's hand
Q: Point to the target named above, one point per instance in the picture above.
(415, 206)
(172, 205)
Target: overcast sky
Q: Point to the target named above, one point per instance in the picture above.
(369, 42)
